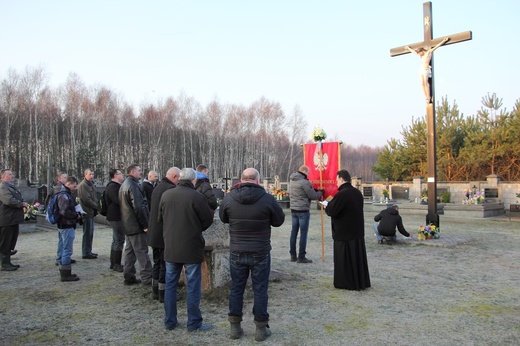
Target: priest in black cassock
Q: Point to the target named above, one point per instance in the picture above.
(348, 232)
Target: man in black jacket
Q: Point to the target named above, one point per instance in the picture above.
(114, 218)
(386, 222)
(135, 215)
(185, 214)
(250, 212)
(149, 185)
(155, 233)
(203, 186)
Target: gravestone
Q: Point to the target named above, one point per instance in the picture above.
(218, 193)
(215, 268)
(400, 192)
(490, 193)
(368, 192)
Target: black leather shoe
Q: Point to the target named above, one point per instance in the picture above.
(304, 260)
(94, 254)
(72, 261)
(89, 257)
(293, 259)
(133, 281)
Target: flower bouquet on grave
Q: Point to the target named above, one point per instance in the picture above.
(479, 197)
(428, 232)
(30, 211)
(280, 194)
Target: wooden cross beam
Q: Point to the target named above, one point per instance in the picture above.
(428, 43)
(455, 38)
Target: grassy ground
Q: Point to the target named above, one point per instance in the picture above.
(464, 292)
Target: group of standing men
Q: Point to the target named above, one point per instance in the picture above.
(173, 222)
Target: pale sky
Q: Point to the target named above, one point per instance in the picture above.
(331, 58)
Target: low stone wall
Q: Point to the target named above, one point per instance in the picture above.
(448, 209)
(405, 207)
(475, 210)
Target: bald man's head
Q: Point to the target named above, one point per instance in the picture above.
(250, 175)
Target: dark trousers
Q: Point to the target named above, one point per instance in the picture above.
(8, 238)
(159, 266)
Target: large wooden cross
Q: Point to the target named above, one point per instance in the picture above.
(429, 42)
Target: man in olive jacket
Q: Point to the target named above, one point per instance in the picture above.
(88, 200)
(11, 215)
(135, 215)
(185, 214)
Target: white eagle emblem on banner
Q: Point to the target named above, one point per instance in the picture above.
(324, 161)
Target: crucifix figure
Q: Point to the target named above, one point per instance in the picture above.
(426, 70)
(429, 92)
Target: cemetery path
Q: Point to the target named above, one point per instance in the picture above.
(465, 294)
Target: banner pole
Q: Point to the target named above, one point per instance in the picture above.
(322, 211)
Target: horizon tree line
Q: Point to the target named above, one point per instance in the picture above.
(73, 127)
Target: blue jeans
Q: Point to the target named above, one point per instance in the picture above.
(299, 220)
(67, 236)
(60, 249)
(88, 235)
(193, 274)
(240, 265)
(379, 236)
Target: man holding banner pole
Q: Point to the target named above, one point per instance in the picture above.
(301, 193)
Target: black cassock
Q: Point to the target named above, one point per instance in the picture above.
(350, 265)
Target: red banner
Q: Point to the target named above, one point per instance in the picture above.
(327, 161)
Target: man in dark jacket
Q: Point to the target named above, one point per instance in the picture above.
(386, 222)
(135, 215)
(204, 187)
(149, 184)
(61, 179)
(88, 200)
(301, 193)
(155, 233)
(185, 214)
(114, 218)
(67, 227)
(11, 215)
(250, 212)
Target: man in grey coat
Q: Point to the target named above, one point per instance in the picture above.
(301, 193)
(135, 216)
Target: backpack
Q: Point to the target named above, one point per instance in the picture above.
(103, 210)
(53, 211)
